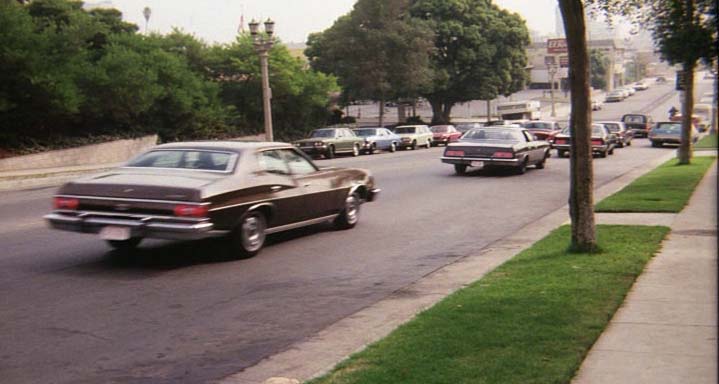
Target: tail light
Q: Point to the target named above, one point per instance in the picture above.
(454, 153)
(597, 142)
(503, 155)
(186, 210)
(560, 141)
(65, 203)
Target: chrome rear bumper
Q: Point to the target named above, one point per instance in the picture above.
(159, 227)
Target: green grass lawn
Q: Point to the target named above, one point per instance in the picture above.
(665, 189)
(532, 320)
(708, 142)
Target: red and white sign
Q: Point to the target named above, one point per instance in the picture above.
(564, 61)
(555, 46)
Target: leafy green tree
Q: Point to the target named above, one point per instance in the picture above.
(480, 52)
(685, 32)
(599, 64)
(376, 51)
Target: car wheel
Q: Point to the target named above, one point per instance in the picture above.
(249, 236)
(522, 168)
(460, 169)
(611, 151)
(561, 153)
(393, 147)
(330, 154)
(349, 216)
(603, 153)
(125, 245)
(629, 143)
(414, 145)
(429, 143)
(620, 144)
(542, 164)
(373, 149)
(355, 150)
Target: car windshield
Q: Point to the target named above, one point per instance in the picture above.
(634, 119)
(365, 132)
(440, 129)
(668, 128)
(493, 134)
(323, 133)
(185, 159)
(404, 130)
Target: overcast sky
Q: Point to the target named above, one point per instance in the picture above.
(218, 20)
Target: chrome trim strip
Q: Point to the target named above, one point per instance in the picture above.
(140, 224)
(299, 224)
(137, 216)
(271, 200)
(480, 159)
(131, 199)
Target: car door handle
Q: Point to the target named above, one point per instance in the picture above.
(275, 188)
(307, 185)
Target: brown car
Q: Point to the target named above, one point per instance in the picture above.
(195, 190)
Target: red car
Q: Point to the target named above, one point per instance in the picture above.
(543, 130)
(444, 134)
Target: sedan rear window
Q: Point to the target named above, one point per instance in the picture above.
(404, 130)
(634, 119)
(493, 134)
(668, 128)
(185, 159)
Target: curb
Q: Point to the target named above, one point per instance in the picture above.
(319, 353)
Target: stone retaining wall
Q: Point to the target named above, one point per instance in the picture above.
(94, 154)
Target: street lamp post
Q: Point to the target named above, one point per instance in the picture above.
(263, 43)
(552, 68)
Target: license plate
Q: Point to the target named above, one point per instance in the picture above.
(477, 163)
(115, 233)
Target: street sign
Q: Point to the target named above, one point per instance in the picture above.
(564, 61)
(555, 46)
(679, 86)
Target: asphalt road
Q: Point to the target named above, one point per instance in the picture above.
(72, 311)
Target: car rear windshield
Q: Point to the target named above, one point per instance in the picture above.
(440, 129)
(634, 119)
(493, 134)
(612, 127)
(536, 125)
(404, 130)
(668, 128)
(185, 159)
(365, 132)
(597, 130)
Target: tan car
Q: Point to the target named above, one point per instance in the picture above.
(413, 136)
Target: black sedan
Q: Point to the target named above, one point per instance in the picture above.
(506, 147)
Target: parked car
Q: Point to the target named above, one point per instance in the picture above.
(615, 96)
(624, 136)
(328, 142)
(543, 129)
(603, 141)
(597, 103)
(376, 139)
(704, 112)
(669, 132)
(508, 147)
(412, 136)
(444, 134)
(661, 79)
(242, 191)
(640, 86)
(464, 127)
(629, 89)
(639, 124)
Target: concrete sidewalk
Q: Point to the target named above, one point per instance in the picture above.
(666, 330)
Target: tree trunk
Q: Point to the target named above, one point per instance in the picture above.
(581, 191)
(685, 147)
(441, 110)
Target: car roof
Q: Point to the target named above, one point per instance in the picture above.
(224, 145)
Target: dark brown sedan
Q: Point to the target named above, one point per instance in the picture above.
(209, 189)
